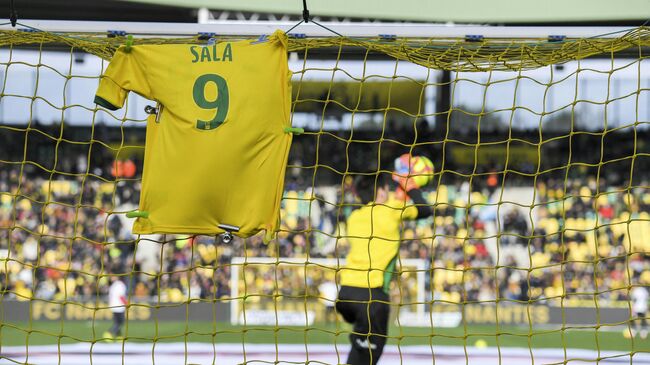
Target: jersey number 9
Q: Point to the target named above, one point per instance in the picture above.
(220, 103)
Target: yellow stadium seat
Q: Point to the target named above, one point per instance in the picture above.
(573, 250)
(537, 272)
(550, 292)
(5, 199)
(24, 204)
(13, 267)
(67, 286)
(439, 221)
(460, 202)
(106, 188)
(636, 235)
(478, 198)
(455, 297)
(438, 279)
(206, 272)
(645, 277)
(114, 252)
(590, 241)
(426, 232)
(456, 276)
(591, 245)
(618, 227)
(449, 221)
(602, 200)
(604, 250)
(645, 198)
(43, 229)
(540, 259)
(444, 296)
(291, 222)
(570, 226)
(290, 201)
(590, 223)
(49, 258)
(470, 249)
(23, 293)
(175, 295)
(441, 195)
(583, 250)
(552, 226)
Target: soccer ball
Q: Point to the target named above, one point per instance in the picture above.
(481, 343)
(417, 168)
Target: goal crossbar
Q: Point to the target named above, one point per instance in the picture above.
(361, 29)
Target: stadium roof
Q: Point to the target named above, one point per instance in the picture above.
(499, 11)
(583, 12)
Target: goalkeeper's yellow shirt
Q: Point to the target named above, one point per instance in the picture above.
(217, 151)
(373, 232)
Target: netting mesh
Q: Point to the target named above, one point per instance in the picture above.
(537, 241)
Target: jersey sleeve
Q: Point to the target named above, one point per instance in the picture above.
(122, 75)
(410, 212)
(403, 210)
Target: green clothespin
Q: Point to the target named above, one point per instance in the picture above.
(293, 130)
(137, 214)
(129, 43)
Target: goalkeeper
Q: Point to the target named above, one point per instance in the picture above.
(374, 236)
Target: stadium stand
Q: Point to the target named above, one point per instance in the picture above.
(197, 267)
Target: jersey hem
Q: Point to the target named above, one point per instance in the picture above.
(363, 287)
(187, 230)
(105, 103)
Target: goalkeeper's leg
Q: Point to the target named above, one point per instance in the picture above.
(368, 310)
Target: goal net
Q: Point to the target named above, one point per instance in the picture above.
(537, 251)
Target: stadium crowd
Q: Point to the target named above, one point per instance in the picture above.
(61, 234)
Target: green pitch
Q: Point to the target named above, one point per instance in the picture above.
(44, 332)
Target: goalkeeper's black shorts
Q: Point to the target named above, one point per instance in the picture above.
(368, 310)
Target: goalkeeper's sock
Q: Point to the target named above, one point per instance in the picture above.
(108, 337)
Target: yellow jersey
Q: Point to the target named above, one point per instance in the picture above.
(373, 232)
(216, 153)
